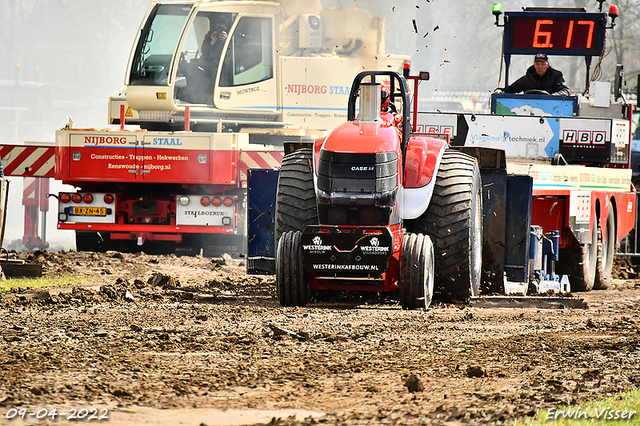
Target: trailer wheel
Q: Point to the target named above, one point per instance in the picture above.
(606, 247)
(296, 197)
(579, 263)
(416, 272)
(158, 248)
(291, 282)
(87, 241)
(453, 220)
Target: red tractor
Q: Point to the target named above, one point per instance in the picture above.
(374, 207)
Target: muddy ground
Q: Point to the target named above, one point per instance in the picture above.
(194, 341)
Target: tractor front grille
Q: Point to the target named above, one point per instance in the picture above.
(358, 173)
(357, 189)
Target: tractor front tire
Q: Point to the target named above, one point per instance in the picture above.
(291, 281)
(453, 220)
(416, 272)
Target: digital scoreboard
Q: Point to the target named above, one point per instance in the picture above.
(554, 33)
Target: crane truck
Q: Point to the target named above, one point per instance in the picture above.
(532, 197)
(179, 181)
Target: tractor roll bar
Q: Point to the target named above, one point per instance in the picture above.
(395, 78)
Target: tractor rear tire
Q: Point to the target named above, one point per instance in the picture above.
(579, 263)
(296, 198)
(453, 220)
(416, 272)
(291, 281)
(606, 250)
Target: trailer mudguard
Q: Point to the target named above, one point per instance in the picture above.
(422, 161)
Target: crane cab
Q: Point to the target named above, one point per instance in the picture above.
(241, 65)
(176, 63)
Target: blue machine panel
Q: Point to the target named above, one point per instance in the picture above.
(537, 105)
(518, 224)
(494, 194)
(262, 186)
(507, 221)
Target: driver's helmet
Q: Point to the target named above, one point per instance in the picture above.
(385, 99)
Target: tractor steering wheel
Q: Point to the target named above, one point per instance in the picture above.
(536, 92)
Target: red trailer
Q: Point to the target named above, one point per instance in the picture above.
(166, 190)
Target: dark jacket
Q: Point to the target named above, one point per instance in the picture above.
(552, 82)
(210, 54)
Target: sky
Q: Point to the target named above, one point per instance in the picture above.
(68, 56)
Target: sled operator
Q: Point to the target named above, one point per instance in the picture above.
(540, 77)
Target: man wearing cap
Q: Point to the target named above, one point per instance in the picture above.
(540, 76)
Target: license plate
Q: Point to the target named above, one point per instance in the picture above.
(88, 211)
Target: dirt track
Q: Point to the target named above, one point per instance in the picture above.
(195, 334)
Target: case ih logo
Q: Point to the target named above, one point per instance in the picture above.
(584, 137)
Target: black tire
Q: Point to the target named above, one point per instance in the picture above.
(87, 241)
(579, 263)
(291, 281)
(296, 198)
(156, 248)
(453, 220)
(606, 250)
(416, 272)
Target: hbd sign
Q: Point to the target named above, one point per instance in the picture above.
(594, 139)
(584, 137)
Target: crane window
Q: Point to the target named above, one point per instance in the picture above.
(249, 58)
(201, 52)
(157, 43)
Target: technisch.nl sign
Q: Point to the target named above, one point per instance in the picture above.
(522, 136)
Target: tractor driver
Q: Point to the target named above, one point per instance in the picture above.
(540, 77)
(385, 101)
